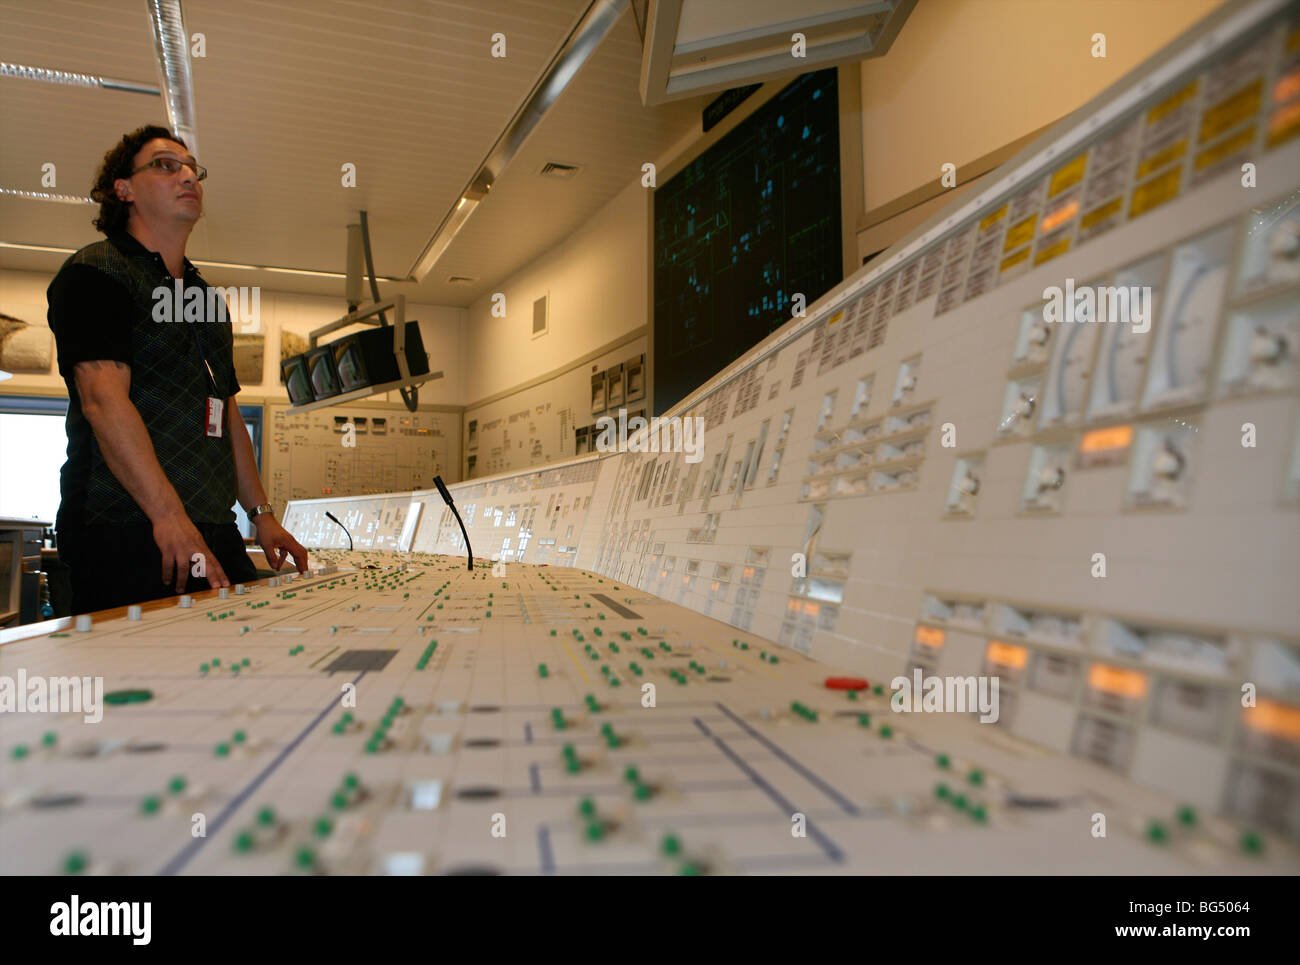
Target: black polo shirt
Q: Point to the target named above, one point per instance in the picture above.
(103, 306)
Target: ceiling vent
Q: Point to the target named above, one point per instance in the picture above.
(554, 169)
(460, 280)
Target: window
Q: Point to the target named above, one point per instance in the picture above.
(33, 448)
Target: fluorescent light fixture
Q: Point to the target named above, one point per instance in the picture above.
(577, 48)
(45, 196)
(306, 272)
(442, 240)
(171, 44)
(72, 79)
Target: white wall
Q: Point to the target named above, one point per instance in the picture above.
(597, 280)
(965, 77)
(22, 295)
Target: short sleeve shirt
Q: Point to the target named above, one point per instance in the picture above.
(116, 301)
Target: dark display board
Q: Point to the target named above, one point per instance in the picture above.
(746, 226)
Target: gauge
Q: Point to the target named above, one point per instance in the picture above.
(1067, 378)
(1159, 474)
(1180, 362)
(1126, 343)
(1019, 405)
(1260, 347)
(1045, 480)
(1033, 341)
(1270, 254)
(965, 486)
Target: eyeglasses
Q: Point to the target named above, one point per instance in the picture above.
(171, 165)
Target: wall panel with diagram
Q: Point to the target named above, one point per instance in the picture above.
(305, 453)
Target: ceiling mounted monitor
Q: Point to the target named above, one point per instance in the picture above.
(700, 46)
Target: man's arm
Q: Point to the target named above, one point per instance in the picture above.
(105, 388)
(277, 545)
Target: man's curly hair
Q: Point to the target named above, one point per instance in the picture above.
(118, 164)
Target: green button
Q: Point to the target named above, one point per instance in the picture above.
(1157, 833)
(976, 776)
(239, 737)
(75, 863)
(670, 845)
(305, 857)
(19, 751)
(978, 813)
(942, 760)
(151, 804)
(642, 792)
(886, 732)
(587, 807)
(1187, 816)
(339, 801)
(128, 696)
(223, 750)
(631, 775)
(690, 869)
(351, 781)
(243, 841)
(177, 784)
(266, 817)
(1251, 842)
(323, 827)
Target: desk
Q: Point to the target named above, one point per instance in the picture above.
(20, 543)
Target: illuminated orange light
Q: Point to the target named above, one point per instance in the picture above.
(811, 609)
(1112, 680)
(1059, 217)
(1276, 720)
(1007, 655)
(1283, 123)
(1286, 86)
(1100, 440)
(929, 636)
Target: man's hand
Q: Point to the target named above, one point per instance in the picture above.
(178, 541)
(277, 544)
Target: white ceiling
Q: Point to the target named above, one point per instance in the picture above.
(407, 90)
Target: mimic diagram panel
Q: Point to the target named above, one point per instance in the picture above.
(309, 455)
(480, 702)
(744, 231)
(1055, 439)
(555, 419)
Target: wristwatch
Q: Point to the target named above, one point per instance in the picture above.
(259, 510)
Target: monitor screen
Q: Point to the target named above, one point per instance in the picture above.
(320, 366)
(296, 381)
(744, 233)
(350, 363)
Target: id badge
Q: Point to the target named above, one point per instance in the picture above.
(213, 420)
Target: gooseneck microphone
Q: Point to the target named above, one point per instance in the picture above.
(341, 526)
(446, 498)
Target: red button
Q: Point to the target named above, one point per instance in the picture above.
(846, 683)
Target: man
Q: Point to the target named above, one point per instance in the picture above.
(157, 449)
